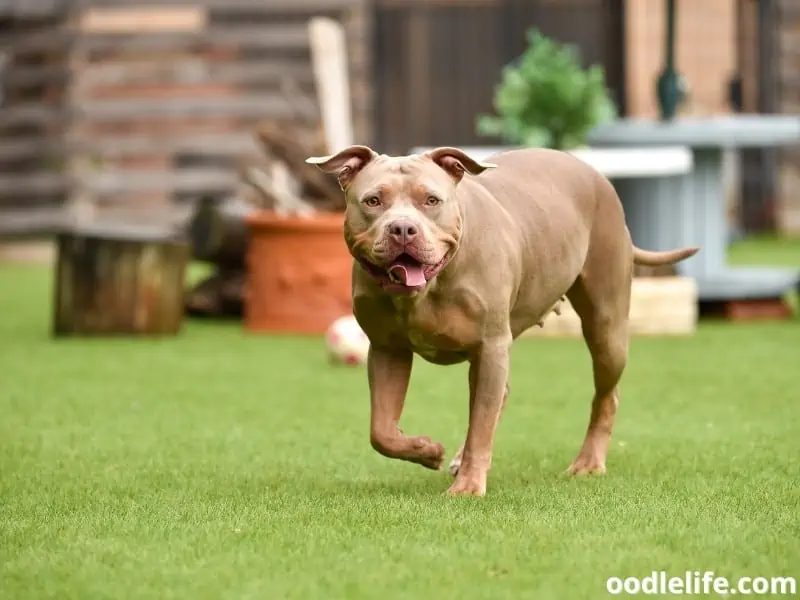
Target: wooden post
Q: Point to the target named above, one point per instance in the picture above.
(329, 59)
(119, 281)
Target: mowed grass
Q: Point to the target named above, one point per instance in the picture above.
(223, 465)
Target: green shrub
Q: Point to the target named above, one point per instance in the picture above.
(547, 99)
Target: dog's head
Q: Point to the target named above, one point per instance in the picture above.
(402, 221)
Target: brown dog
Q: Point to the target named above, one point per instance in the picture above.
(454, 260)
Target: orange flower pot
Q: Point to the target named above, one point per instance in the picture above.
(299, 273)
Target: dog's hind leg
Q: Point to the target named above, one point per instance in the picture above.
(605, 329)
(601, 297)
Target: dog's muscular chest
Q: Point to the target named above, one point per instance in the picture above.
(442, 331)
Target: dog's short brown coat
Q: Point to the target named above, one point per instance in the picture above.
(501, 243)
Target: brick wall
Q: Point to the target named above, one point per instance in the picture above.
(705, 52)
(788, 204)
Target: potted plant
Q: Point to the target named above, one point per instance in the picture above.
(546, 99)
(298, 266)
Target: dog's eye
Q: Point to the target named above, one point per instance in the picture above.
(372, 201)
(432, 201)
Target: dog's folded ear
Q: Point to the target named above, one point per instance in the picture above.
(345, 164)
(456, 162)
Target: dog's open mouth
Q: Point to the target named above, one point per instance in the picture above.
(407, 271)
(404, 274)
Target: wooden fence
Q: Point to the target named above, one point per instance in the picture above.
(130, 109)
(437, 61)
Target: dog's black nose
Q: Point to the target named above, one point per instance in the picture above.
(403, 231)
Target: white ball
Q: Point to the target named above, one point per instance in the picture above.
(346, 342)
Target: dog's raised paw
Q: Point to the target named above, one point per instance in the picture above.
(427, 453)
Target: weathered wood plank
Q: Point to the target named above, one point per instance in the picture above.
(329, 58)
(211, 144)
(35, 184)
(434, 3)
(115, 146)
(260, 6)
(32, 114)
(30, 222)
(120, 181)
(29, 147)
(26, 9)
(263, 37)
(32, 76)
(180, 180)
(194, 71)
(250, 106)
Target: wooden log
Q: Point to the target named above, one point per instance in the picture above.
(117, 281)
(218, 232)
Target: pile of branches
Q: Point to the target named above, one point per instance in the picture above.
(278, 180)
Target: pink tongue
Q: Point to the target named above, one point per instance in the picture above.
(412, 276)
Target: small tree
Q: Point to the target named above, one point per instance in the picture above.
(547, 99)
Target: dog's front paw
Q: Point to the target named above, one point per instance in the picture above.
(587, 464)
(468, 486)
(426, 452)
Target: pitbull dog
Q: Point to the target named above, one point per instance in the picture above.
(454, 259)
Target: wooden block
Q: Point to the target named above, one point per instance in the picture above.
(113, 281)
(762, 309)
(659, 306)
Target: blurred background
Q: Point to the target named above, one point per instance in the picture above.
(154, 112)
(153, 187)
(159, 99)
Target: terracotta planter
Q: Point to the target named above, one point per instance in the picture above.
(298, 273)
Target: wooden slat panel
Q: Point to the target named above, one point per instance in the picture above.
(33, 221)
(182, 180)
(111, 182)
(25, 77)
(252, 106)
(196, 72)
(262, 6)
(425, 4)
(31, 184)
(28, 147)
(32, 114)
(263, 37)
(214, 144)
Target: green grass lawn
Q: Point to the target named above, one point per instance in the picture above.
(222, 465)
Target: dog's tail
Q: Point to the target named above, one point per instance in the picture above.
(648, 258)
